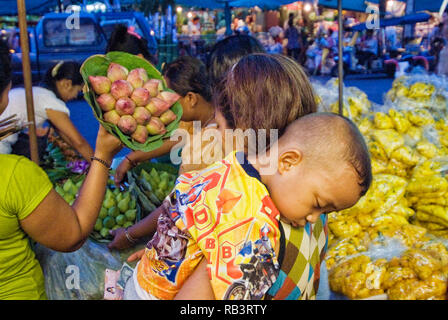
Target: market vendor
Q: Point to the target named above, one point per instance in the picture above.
(31, 208)
(62, 83)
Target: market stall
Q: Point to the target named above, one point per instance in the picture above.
(393, 243)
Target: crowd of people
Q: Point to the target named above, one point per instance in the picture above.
(223, 94)
(317, 48)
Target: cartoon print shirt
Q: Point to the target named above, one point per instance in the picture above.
(225, 215)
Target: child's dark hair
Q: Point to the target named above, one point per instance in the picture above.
(62, 70)
(188, 74)
(122, 40)
(5, 66)
(264, 91)
(226, 53)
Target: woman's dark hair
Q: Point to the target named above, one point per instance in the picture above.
(226, 53)
(62, 70)
(265, 91)
(5, 66)
(122, 40)
(291, 20)
(188, 74)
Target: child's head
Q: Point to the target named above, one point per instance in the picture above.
(5, 75)
(264, 91)
(64, 79)
(123, 40)
(226, 53)
(187, 76)
(323, 166)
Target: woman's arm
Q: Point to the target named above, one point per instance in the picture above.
(67, 130)
(61, 227)
(144, 228)
(137, 157)
(197, 286)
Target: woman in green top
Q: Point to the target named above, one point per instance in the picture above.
(29, 207)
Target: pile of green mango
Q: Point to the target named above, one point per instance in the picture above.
(119, 208)
(151, 187)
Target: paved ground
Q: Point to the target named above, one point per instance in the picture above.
(373, 85)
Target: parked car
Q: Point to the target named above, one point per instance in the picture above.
(58, 36)
(137, 20)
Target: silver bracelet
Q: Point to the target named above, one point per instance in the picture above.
(128, 236)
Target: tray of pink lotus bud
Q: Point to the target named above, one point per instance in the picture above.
(130, 98)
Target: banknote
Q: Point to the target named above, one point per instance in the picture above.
(125, 273)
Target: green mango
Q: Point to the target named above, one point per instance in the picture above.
(113, 212)
(132, 203)
(109, 203)
(116, 192)
(116, 227)
(109, 194)
(128, 224)
(68, 185)
(119, 197)
(108, 222)
(103, 213)
(69, 197)
(131, 215)
(79, 184)
(120, 219)
(98, 225)
(123, 205)
(59, 190)
(104, 232)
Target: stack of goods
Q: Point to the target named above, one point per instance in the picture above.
(129, 97)
(417, 274)
(408, 140)
(151, 183)
(119, 208)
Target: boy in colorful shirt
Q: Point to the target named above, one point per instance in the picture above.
(226, 214)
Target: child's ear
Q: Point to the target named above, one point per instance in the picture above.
(289, 159)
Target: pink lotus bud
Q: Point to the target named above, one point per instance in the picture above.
(167, 117)
(127, 124)
(155, 126)
(106, 102)
(121, 89)
(111, 117)
(141, 97)
(153, 86)
(169, 97)
(142, 115)
(137, 77)
(117, 72)
(100, 84)
(140, 134)
(157, 106)
(125, 106)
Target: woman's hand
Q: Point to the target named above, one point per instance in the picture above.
(136, 255)
(120, 241)
(107, 145)
(124, 166)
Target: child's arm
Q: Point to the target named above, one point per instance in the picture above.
(137, 157)
(143, 228)
(197, 286)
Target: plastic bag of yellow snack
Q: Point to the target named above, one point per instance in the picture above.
(378, 166)
(413, 135)
(420, 117)
(401, 123)
(427, 149)
(434, 210)
(405, 155)
(382, 121)
(429, 184)
(377, 151)
(421, 90)
(424, 216)
(389, 139)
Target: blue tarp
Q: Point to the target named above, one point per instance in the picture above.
(212, 4)
(408, 19)
(430, 5)
(9, 7)
(352, 5)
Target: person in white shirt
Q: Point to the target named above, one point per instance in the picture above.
(62, 83)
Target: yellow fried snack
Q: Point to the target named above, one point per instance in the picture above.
(428, 184)
(414, 133)
(382, 121)
(434, 210)
(405, 155)
(423, 216)
(427, 149)
(399, 120)
(421, 90)
(389, 139)
(377, 151)
(420, 117)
